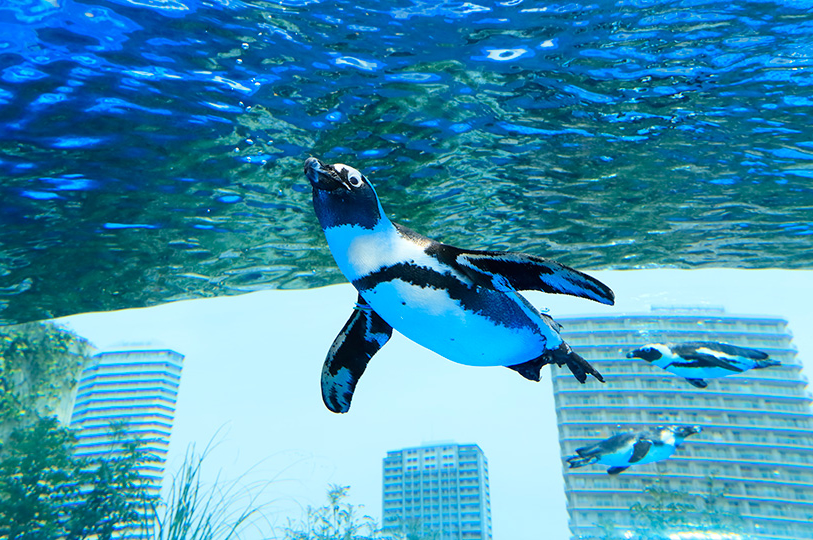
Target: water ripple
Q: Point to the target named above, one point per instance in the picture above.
(164, 140)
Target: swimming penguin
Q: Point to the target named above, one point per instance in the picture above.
(699, 360)
(461, 304)
(623, 450)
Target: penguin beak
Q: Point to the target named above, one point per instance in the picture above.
(631, 354)
(685, 431)
(322, 175)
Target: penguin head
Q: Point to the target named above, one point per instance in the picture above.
(650, 353)
(681, 432)
(342, 195)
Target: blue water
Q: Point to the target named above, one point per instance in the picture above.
(151, 150)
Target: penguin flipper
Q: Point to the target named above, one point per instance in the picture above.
(530, 273)
(725, 348)
(616, 470)
(364, 333)
(704, 360)
(639, 450)
(697, 383)
(607, 446)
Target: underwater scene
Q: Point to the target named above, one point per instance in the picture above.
(263, 265)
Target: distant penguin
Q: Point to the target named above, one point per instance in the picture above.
(696, 361)
(461, 304)
(623, 450)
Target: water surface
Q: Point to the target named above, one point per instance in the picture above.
(151, 150)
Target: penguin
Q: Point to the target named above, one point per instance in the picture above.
(623, 450)
(696, 361)
(462, 304)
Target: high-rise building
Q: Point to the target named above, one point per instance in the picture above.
(440, 489)
(757, 439)
(133, 389)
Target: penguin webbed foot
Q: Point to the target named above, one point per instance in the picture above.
(697, 383)
(574, 462)
(580, 367)
(770, 362)
(562, 356)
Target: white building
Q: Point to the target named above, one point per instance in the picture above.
(757, 439)
(438, 489)
(133, 387)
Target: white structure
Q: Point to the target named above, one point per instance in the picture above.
(757, 440)
(135, 388)
(439, 489)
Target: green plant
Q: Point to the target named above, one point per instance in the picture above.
(39, 364)
(194, 511)
(669, 511)
(48, 493)
(337, 520)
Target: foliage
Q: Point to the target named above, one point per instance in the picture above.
(712, 514)
(192, 512)
(413, 529)
(669, 509)
(607, 528)
(47, 493)
(337, 520)
(672, 511)
(39, 363)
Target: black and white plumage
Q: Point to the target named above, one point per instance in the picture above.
(628, 448)
(696, 361)
(363, 334)
(461, 304)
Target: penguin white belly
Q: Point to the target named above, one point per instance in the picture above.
(404, 285)
(430, 317)
(617, 459)
(657, 452)
(700, 373)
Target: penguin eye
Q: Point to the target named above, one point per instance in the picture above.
(354, 179)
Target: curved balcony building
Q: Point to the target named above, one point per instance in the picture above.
(757, 439)
(134, 388)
